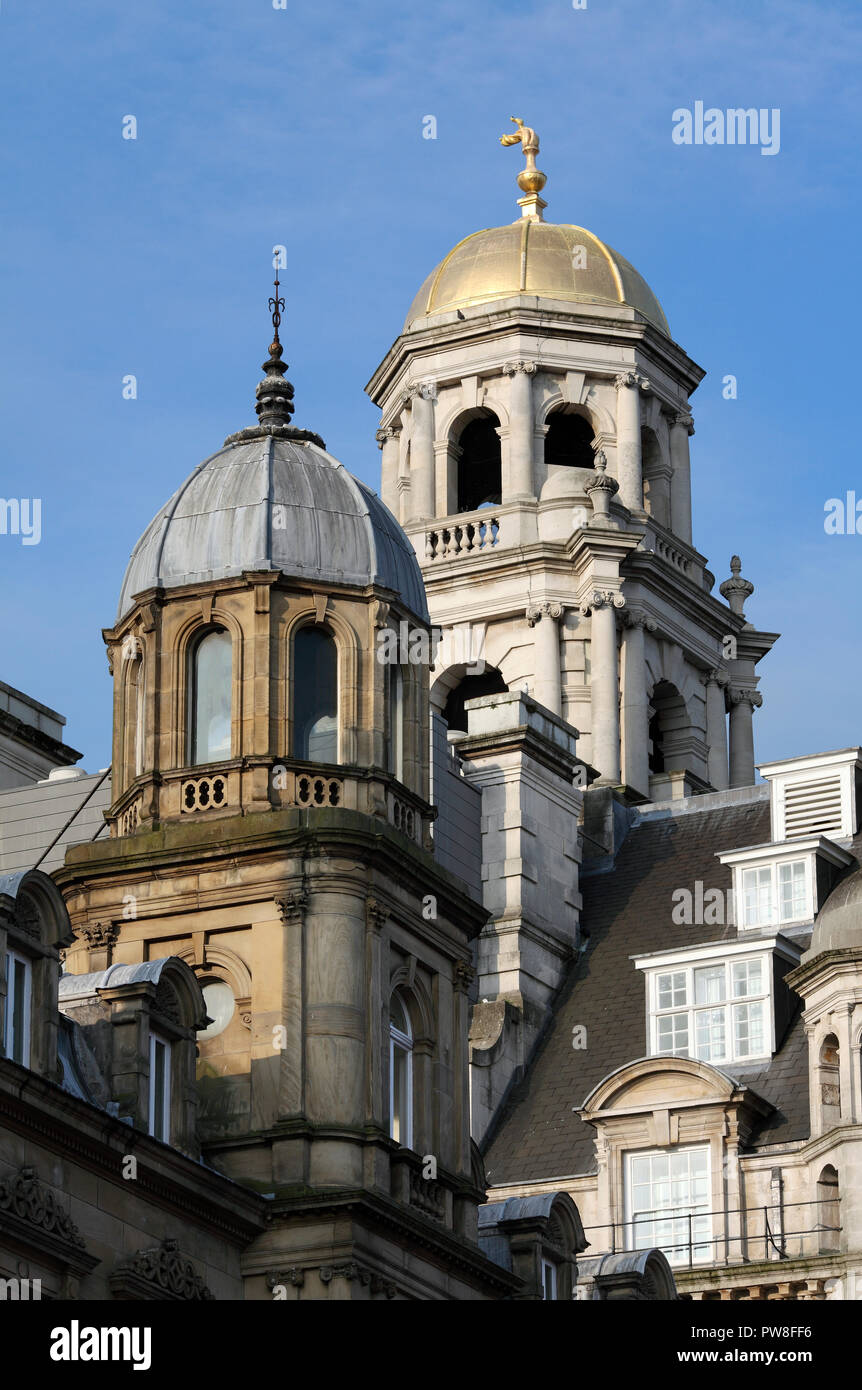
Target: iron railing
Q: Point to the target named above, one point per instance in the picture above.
(753, 1233)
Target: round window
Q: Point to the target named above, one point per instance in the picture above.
(220, 1005)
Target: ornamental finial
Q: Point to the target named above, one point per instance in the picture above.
(531, 180)
(275, 393)
(736, 589)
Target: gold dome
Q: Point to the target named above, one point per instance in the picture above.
(532, 257)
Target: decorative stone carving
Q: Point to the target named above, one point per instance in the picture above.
(292, 905)
(427, 390)
(546, 609)
(352, 1269)
(636, 617)
(463, 976)
(682, 417)
(381, 613)
(736, 589)
(24, 1197)
(100, 935)
(632, 379)
(376, 914)
(519, 365)
(159, 1272)
(294, 1276)
(602, 487)
(382, 435)
(602, 598)
(750, 697)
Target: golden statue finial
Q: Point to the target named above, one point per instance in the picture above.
(530, 179)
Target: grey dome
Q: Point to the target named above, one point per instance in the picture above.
(839, 922)
(274, 504)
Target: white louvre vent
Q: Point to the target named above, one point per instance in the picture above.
(813, 808)
(816, 795)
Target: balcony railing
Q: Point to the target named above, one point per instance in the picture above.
(697, 1239)
(475, 535)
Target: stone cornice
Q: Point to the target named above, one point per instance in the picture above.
(16, 729)
(81, 1133)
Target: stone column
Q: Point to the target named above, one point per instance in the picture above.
(681, 426)
(390, 446)
(521, 430)
(743, 703)
(716, 728)
(422, 452)
(543, 619)
(635, 703)
(629, 463)
(604, 687)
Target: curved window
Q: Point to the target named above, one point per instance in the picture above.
(210, 703)
(400, 1073)
(315, 696)
(220, 1006)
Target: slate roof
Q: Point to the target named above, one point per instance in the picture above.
(32, 815)
(627, 911)
(274, 504)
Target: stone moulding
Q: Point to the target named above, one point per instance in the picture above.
(158, 1272)
(31, 1215)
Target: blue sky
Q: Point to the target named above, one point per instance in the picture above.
(303, 126)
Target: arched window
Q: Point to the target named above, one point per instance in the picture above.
(315, 696)
(569, 440)
(479, 466)
(830, 1082)
(210, 697)
(133, 722)
(668, 729)
(395, 721)
(400, 1073)
(828, 1210)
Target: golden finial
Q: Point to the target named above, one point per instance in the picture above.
(530, 179)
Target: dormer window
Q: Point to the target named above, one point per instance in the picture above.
(210, 697)
(785, 884)
(159, 1125)
(715, 1003)
(19, 983)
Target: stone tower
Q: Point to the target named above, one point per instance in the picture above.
(535, 427)
(270, 827)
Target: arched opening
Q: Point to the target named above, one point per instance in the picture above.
(668, 729)
(828, 1210)
(400, 1072)
(210, 697)
(479, 465)
(830, 1082)
(656, 481)
(471, 688)
(315, 696)
(569, 440)
(133, 718)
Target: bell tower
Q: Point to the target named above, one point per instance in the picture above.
(535, 431)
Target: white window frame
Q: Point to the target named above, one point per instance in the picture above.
(772, 917)
(157, 1040)
(772, 857)
(14, 958)
(549, 1278)
(402, 1042)
(667, 1213)
(729, 1004)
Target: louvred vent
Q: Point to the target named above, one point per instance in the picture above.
(813, 808)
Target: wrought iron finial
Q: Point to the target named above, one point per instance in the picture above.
(276, 308)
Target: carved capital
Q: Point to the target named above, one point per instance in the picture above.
(633, 380)
(100, 934)
(381, 613)
(424, 390)
(683, 419)
(636, 617)
(292, 905)
(294, 1276)
(546, 609)
(602, 598)
(519, 365)
(718, 676)
(737, 696)
(463, 976)
(384, 435)
(376, 915)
